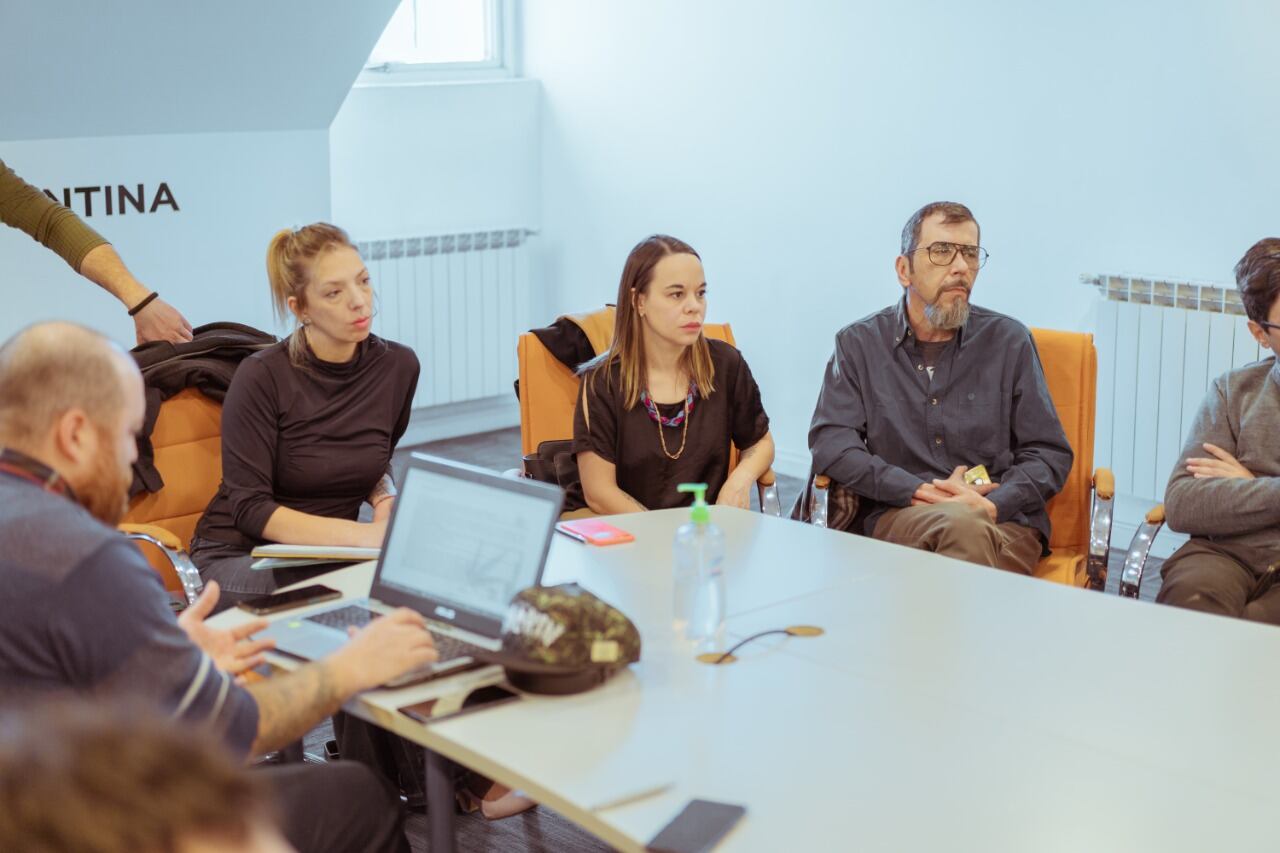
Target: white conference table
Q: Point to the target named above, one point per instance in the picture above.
(948, 706)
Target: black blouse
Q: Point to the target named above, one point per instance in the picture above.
(629, 438)
(315, 438)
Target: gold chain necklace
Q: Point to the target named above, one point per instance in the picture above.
(684, 434)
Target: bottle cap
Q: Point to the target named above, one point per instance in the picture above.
(699, 514)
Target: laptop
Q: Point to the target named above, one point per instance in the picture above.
(462, 541)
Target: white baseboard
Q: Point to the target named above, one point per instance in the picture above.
(433, 423)
(791, 462)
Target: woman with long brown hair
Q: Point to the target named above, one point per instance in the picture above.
(663, 404)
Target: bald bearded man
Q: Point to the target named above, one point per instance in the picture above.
(83, 613)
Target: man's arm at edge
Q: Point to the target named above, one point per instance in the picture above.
(291, 704)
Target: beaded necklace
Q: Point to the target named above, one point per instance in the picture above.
(681, 419)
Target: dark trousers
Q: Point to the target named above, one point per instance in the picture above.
(342, 807)
(229, 565)
(1206, 577)
(398, 761)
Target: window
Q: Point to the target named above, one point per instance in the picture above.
(428, 40)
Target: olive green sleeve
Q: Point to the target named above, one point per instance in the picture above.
(25, 207)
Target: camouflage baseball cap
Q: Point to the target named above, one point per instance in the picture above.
(562, 639)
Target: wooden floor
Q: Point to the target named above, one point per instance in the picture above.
(542, 829)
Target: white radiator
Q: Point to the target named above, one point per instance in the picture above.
(460, 301)
(1160, 345)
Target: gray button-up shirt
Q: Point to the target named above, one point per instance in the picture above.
(882, 426)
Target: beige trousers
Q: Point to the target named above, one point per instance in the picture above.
(955, 530)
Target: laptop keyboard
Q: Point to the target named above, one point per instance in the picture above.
(354, 616)
(343, 618)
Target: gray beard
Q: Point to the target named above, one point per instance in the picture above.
(951, 317)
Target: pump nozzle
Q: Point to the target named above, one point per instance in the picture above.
(699, 514)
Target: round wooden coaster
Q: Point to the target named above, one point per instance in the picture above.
(805, 631)
(715, 657)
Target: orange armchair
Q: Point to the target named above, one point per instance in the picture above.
(1080, 515)
(187, 440)
(549, 392)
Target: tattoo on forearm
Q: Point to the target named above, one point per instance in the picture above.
(291, 704)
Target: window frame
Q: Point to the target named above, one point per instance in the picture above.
(501, 65)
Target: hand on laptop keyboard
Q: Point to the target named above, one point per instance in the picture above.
(385, 649)
(354, 616)
(455, 656)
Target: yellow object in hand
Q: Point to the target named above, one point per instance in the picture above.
(977, 476)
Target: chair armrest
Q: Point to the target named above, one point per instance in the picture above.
(767, 489)
(1104, 483)
(1136, 558)
(163, 537)
(1104, 490)
(178, 560)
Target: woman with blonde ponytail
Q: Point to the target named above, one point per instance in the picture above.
(308, 429)
(309, 424)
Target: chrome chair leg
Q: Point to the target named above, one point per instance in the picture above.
(1136, 558)
(770, 503)
(1099, 542)
(818, 501)
(188, 574)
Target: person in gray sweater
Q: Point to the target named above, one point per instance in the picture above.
(1226, 490)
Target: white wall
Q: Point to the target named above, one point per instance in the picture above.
(789, 143)
(228, 103)
(437, 159)
(449, 158)
(233, 192)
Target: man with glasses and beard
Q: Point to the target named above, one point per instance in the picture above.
(83, 614)
(935, 412)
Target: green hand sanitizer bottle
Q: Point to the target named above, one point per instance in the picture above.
(699, 582)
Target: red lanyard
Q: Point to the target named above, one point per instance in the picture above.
(22, 466)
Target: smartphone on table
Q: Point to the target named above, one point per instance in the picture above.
(697, 829)
(264, 605)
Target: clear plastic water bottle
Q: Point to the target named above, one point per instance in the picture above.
(699, 583)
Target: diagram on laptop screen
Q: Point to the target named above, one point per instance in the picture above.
(465, 543)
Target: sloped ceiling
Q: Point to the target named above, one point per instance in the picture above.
(92, 68)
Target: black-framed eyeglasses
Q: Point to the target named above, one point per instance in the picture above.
(942, 254)
(1268, 326)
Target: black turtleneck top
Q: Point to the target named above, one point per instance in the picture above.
(314, 437)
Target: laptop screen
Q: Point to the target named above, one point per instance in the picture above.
(466, 541)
